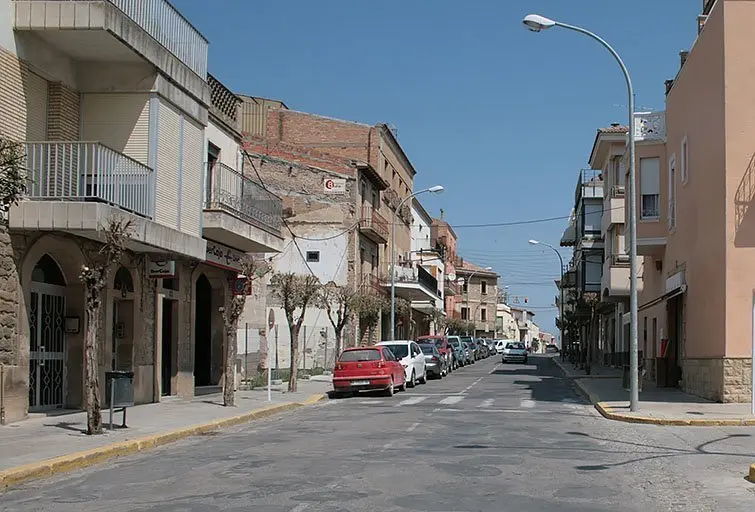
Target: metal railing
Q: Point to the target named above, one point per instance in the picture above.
(169, 28)
(229, 190)
(413, 274)
(371, 284)
(371, 219)
(88, 171)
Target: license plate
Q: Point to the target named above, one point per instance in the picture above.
(360, 382)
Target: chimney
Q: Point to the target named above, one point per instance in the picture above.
(669, 84)
(701, 22)
(682, 58)
(442, 213)
(615, 125)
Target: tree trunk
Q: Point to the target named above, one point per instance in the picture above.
(92, 374)
(294, 365)
(229, 372)
(338, 346)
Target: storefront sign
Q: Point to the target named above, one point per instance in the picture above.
(219, 255)
(162, 269)
(334, 186)
(241, 286)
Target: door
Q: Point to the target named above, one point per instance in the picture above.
(47, 346)
(418, 358)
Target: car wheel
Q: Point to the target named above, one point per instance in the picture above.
(402, 387)
(390, 390)
(423, 379)
(525, 359)
(412, 381)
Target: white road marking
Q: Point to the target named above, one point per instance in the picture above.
(471, 385)
(300, 507)
(450, 400)
(370, 402)
(527, 403)
(486, 403)
(412, 427)
(413, 400)
(386, 446)
(495, 368)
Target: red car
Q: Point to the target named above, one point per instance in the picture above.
(445, 349)
(367, 369)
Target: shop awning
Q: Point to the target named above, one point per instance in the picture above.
(666, 296)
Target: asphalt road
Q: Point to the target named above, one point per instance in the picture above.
(488, 438)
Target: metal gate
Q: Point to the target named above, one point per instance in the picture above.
(47, 346)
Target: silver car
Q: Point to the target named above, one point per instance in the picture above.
(514, 352)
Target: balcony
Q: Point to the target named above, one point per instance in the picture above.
(413, 283)
(589, 185)
(371, 284)
(123, 31)
(451, 288)
(650, 126)
(615, 279)
(79, 186)
(373, 225)
(613, 208)
(240, 213)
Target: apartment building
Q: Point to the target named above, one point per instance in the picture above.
(113, 113)
(479, 293)
(506, 327)
(428, 256)
(386, 181)
(583, 233)
(527, 330)
(695, 228)
(443, 238)
(606, 156)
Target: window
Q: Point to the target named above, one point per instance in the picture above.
(483, 315)
(484, 287)
(685, 160)
(619, 174)
(465, 313)
(593, 212)
(672, 193)
(313, 256)
(650, 188)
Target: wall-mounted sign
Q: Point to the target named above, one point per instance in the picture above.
(219, 255)
(334, 186)
(162, 269)
(241, 286)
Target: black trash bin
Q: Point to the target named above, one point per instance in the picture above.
(119, 395)
(625, 378)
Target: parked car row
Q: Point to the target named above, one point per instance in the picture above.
(393, 366)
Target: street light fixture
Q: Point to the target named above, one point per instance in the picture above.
(537, 23)
(435, 189)
(561, 287)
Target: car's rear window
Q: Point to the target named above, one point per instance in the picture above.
(400, 351)
(519, 346)
(426, 349)
(371, 354)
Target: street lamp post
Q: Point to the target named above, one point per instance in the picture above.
(436, 189)
(537, 23)
(561, 287)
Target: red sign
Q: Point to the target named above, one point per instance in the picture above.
(241, 286)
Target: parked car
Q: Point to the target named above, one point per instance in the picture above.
(514, 352)
(460, 352)
(411, 358)
(441, 342)
(435, 363)
(368, 368)
(499, 344)
(482, 348)
(552, 349)
(471, 350)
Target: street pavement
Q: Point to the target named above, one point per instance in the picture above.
(488, 438)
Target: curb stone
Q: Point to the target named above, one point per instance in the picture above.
(609, 413)
(86, 458)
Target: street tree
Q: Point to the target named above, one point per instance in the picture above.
(368, 307)
(295, 293)
(252, 269)
(12, 174)
(338, 303)
(439, 320)
(94, 276)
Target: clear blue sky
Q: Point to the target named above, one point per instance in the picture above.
(502, 117)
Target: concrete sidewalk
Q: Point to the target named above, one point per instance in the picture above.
(56, 442)
(658, 406)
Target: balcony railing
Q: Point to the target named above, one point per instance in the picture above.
(371, 284)
(169, 28)
(88, 171)
(619, 260)
(589, 184)
(229, 190)
(650, 125)
(371, 219)
(413, 274)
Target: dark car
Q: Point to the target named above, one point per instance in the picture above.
(435, 363)
(441, 342)
(482, 348)
(471, 349)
